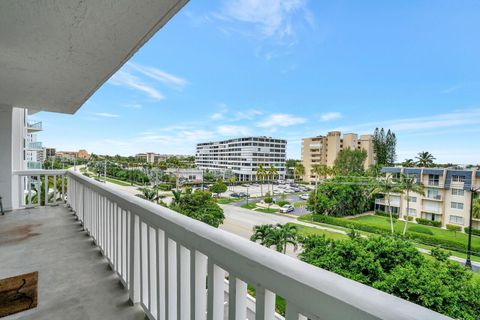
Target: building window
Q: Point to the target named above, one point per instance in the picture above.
(456, 178)
(456, 219)
(457, 192)
(433, 179)
(457, 205)
(412, 199)
(412, 212)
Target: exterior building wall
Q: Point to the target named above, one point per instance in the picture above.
(242, 156)
(324, 150)
(445, 200)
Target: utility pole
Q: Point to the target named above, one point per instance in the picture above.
(468, 262)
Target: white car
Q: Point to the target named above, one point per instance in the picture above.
(287, 208)
(304, 196)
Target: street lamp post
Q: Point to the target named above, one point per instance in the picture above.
(468, 262)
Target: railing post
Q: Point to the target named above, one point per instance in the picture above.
(134, 276)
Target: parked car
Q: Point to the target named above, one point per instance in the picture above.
(243, 194)
(287, 208)
(234, 195)
(304, 196)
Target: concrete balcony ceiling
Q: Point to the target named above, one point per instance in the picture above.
(55, 54)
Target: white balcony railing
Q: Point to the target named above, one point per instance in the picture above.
(175, 267)
(34, 145)
(34, 126)
(41, 187)
(32, 165)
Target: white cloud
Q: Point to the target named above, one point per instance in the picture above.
(272, 17)
(216, 116)
(227, 130)
(125, 79)
(247, 115)
(133, 106)
(329, 116)
(106, 115)
(159, 75)
(281, 120)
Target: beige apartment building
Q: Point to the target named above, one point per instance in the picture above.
(324, 150)
(447, 195)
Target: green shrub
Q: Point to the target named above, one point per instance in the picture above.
(419, 229)
(281, 203)
(164, 187)
(385, 214)
(427, 222)
(453, 227)
(474, 231)
(410, 218)
(86, 174)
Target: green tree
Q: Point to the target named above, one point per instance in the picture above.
(268, 199)
(218, 187)
(425, 159)
(299, 171)
(476, 208)
(341, 196)
(384, 147)
(386, 186)
(261, 173)
(408, 184)
(201, 206)
(350, 161)
(408, 163)
(279, 236)
(272, 173)
(208, 176)
(149, 195)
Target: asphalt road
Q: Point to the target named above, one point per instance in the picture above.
(292, 198)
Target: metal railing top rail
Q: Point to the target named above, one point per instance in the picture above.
(317, 293)
(39, 172)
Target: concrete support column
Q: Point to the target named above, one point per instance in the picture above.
(11, 154)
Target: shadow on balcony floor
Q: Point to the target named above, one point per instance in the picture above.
(75, 281)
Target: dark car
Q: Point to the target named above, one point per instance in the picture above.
(235, 195)
(242, 194)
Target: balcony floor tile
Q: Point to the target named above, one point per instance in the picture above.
(75, 281)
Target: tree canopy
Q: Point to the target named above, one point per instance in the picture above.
(218, 187)
(384, 147)
(350, 161)
(199, 205)
(397, 267)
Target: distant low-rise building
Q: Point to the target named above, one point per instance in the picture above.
(83, 154)
(447, 195)
(324, 150)
(189, 174)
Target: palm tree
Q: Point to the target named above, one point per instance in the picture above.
(386, 186)
(476, 208)
(44, 187)
(299, 170)
(279, 236)
(408, 163)
(261, 172)
(177, 195)
(261, 233)
(425, 159)
(409, 184)
(149, 194)
(272, 172)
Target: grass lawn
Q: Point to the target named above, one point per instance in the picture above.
(119, 182)
(267, 210)
(249, 206)
(307, 231)
(439, 233)
(452, 253)
(226, 200)
(280, 304)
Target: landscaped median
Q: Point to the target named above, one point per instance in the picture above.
(433, 236)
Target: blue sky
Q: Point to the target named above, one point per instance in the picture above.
(292, 69)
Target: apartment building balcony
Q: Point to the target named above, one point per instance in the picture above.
(34, 165)
(169, 266)
(34, 146)
(434, 197)
(34, 126)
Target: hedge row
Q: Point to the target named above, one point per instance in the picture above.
(453, 227)
(474, 231)
(427, 222)
(410, 218)
(386, 214)
(417, 237)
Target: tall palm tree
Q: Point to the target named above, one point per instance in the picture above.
(279, 236)
(299, 170)
(149, 195)
(386, 186)
(261, 171)
(177, 195)
(425, 159)
(272, 172)
(409, 184)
